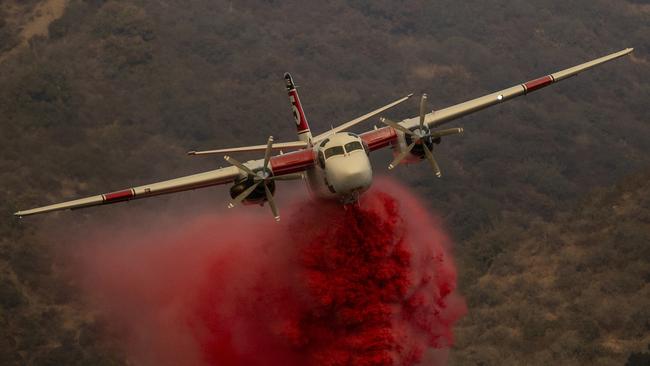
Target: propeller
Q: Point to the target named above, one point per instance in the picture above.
(420, 136)
(262, 177)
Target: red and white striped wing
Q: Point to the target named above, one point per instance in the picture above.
(386, 136)
(210, 178)
(448, 114)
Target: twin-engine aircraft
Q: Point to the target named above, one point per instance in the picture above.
(335, 164)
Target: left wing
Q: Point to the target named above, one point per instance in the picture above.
(386, 136)
(448, 114)
(210, 178)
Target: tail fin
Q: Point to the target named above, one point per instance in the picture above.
(304, 134)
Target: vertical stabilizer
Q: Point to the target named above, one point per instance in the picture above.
(304, 134)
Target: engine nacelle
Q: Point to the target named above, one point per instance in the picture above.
(417, 153)
(258, 196)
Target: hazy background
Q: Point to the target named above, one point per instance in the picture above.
(547, 197)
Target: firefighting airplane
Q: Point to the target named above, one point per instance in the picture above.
(335, 163)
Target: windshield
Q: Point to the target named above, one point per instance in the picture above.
(354, 145)
(334, 150)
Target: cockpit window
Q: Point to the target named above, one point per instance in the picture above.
(334, 150)
(322, 144)
(354, 145)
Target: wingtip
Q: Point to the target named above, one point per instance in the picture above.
(19, 214)
(191, 152)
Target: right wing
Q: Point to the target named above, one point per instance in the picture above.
(210, 178)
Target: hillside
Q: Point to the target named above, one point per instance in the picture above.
(116, 91)
(573, 290)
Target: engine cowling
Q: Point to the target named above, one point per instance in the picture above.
(418, 149)
(257, 196)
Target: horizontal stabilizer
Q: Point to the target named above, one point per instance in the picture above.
(294, 145)
(358, 120)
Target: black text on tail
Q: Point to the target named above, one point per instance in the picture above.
(304, 134)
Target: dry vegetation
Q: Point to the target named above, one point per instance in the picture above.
(24, 20)
(554, 264)
(573, 290)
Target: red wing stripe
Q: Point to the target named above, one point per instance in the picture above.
(123, 195)
(537, 83)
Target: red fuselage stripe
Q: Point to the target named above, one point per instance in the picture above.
(538, 83)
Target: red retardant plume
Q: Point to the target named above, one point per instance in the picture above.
(370, 285)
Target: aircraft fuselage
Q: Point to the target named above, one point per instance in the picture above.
(342, 170)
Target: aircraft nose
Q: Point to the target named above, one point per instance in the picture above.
(352, 176)
(356, 180)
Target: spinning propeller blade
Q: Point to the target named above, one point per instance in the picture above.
(267, 153)
(423, 107)
(432, 161)
(395, 125)
(446, 132)
(242, 196)
(401, 156)
(239, 165)
(269, 198)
